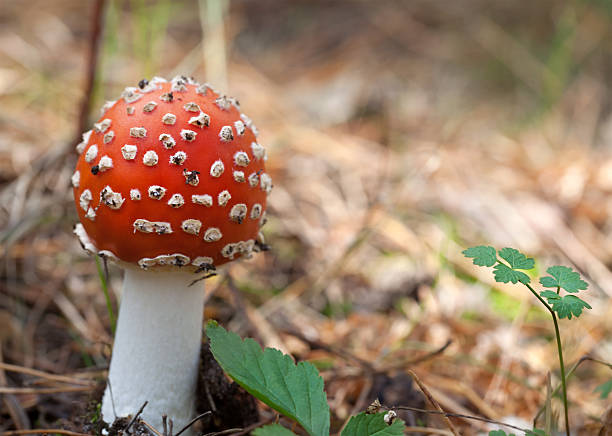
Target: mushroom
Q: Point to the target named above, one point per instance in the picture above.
(156, 192)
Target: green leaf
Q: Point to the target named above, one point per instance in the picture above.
(516, 259)
(563, 277)
(536, 432)
(504, 274)
(372, 425)
(551, 296)
(605, 389)
(566, 306)
(273, 430)
(294, 390)
(483, 255)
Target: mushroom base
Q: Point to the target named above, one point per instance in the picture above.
(157, 348)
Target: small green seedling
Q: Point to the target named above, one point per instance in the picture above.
(509, 266)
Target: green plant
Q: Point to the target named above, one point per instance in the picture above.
(604, 389)
(296, 391)
(535, 432)
(510, 269)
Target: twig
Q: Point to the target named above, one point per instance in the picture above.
(112, 398)
(313, 343)
(150, 428)
(15, 410)
(43, 431)
(433, 401)
(193, 421)
(419, 359)
(135, 416)
(204, 277)
(252, 427)
(42, 374)
(11, 390)
(457, 415)
(209, 397)
(548, 416)
(97, 23)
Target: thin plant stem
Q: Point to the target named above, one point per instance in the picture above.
(109, 304)
(560, 353)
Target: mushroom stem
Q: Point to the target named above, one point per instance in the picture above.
(157, 348)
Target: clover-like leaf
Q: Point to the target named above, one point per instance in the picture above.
(482, 255)
(566, 306)
(504, 274)
(296, 391)
(604, 389)
(563, 277)
(550, 296)
(516, 259)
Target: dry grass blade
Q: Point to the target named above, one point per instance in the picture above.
(59, 390)
(548, 405)
(45, 375)
(44, 432)
(433, 401)
(11, 403)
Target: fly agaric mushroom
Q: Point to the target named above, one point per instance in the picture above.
(170, 182)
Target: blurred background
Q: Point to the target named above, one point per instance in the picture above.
(398, 133)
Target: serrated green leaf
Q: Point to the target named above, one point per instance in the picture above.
(536, 432)
(500, 433)
(605, 389)
(273, 430)
(516, 259)
(566, 306)
(563, 277)
(550, 296)
(372, 425)
(504, 274)
(296, 391)
(482, 255)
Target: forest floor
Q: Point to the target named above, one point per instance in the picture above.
(398, 134)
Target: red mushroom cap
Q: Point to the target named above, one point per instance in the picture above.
(171, 175)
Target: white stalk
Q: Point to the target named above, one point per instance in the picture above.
(157, 348)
